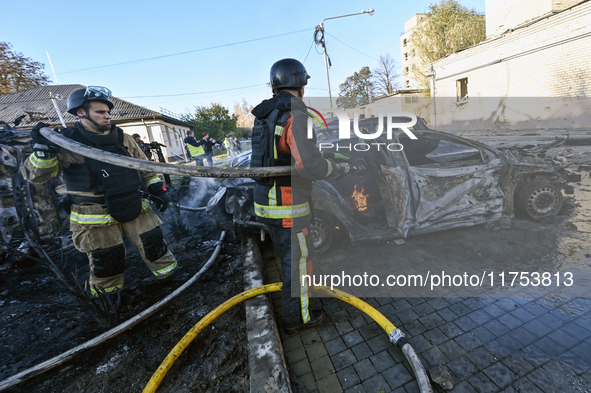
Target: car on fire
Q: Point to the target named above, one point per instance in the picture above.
(435, 182)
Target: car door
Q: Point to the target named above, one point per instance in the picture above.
(454, 182)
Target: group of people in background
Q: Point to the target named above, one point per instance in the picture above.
(232, 146)
(198, 150)
(203, 149)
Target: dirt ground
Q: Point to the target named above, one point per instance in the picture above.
(36, 324)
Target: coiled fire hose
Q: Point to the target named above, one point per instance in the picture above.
(394, 334)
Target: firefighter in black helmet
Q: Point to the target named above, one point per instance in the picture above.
(280, 138)
(105, 200)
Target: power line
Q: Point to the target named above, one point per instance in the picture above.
(201, 92)
(309, 49)
(309, 43)
(348, 46)
(184, 53)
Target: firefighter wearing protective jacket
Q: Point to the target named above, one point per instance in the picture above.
(280, 138)
(105, 200)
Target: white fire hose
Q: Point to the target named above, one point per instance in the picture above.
(145, 165)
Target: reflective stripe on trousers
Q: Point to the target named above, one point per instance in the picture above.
(303, 270)
(95, 293)
(96, 219)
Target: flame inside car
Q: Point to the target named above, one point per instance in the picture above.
(360, 199)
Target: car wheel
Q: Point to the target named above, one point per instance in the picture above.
(539, 199)
(322, 235)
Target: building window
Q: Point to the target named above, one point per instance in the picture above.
(462, 89)
(404, 41)
(411, 99)
(406, 70)
(406, 56)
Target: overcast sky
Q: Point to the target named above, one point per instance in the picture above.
(195, 52)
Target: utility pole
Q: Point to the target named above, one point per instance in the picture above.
(322, 41)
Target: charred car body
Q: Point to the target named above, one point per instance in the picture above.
(28, 212)
(438, 181)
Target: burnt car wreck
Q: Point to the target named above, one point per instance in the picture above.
(438, 181)
(29, 213)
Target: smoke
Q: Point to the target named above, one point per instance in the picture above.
(200, 190)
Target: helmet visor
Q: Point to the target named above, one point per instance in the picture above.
(94, 92)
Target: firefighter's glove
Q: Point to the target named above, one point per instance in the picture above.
(41, 142)
(336, 157)
(161, 200)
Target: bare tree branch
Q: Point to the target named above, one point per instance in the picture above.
(385, 75)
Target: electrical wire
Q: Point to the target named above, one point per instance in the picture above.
(201, 92)
(182, 53)
(350, 47)
(161, 95)
(310, 43)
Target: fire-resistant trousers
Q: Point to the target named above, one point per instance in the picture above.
(100, 236)
(296, 250)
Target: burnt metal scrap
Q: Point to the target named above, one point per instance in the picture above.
(436, 182)
(25, 209)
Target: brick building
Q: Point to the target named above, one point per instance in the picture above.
(533, 70)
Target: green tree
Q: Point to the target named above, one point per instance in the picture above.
(448, 28)
(357, 90)
(215, 119)
(385, 75)
(18, 72)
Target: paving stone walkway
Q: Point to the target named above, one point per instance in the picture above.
(489, 344)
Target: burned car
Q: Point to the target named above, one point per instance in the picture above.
(411, 186)
(29, 213)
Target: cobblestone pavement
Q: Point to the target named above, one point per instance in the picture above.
(489, 344)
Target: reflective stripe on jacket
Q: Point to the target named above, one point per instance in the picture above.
(286, 201)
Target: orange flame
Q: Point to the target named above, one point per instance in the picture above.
(360, 199)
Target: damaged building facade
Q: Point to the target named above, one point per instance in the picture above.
(533, 70)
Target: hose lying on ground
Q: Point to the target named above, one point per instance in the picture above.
(394, 334)
(145, 165)
(190, 209)
(56, 361)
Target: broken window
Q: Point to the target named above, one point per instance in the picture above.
(434, 151)
(462, 89)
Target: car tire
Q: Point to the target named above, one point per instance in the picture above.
(322, 235)
(539, 199)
